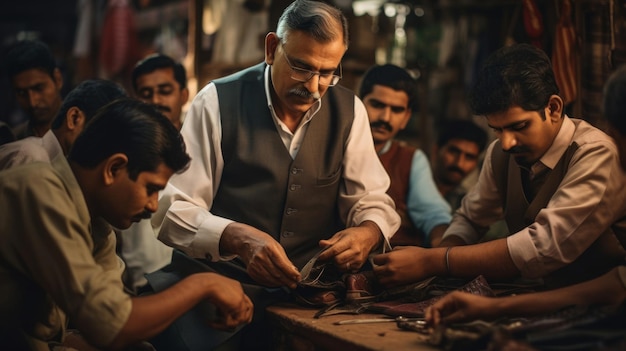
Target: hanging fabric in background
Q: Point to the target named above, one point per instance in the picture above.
(118, 46)
(565, 55)
(533, 22)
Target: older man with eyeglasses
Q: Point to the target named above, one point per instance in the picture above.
(283, 166)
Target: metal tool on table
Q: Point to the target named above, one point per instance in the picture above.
(419, 321)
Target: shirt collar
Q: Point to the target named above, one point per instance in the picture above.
(560, 144)
(385, 148)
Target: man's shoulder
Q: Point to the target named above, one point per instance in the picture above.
(586, 132)
(252, 73)
(34, 174)
(23, 151)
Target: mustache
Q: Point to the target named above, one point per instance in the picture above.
(456, 169)
(382, 124)
(163, 108)
(516, 150)
(144, 215)
(305, 94)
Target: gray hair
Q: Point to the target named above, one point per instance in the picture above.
(316, 18)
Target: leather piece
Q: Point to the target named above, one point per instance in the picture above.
(402, 307)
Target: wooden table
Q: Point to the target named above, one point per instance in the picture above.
(295, 328)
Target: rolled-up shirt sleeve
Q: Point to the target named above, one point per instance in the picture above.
(589, 200)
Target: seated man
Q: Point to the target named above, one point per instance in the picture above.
(58, 262)
(79, 106)
(159, 80)
(556, 181)
(390, 96)
(607, 289)
(455, 156)
(36, 81)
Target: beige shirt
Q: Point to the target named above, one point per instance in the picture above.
(590, 198)
(31, 149)
(55, 261)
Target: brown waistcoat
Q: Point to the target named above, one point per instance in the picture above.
(606, 252)
(397, 162)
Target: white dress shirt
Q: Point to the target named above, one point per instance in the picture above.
(184, 204)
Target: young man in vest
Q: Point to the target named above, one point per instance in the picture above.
(455, 156)
(608, 289)
(390, 96)
(58, 262)
(36, 81)
(283, 166)
(556, 181)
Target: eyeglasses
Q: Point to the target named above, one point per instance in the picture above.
(304, 75)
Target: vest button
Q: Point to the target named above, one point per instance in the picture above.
(294, 187)
(287, 234)
(291, 211)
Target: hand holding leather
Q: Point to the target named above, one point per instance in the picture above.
(349, 248)
(265, 259)
(403, 265)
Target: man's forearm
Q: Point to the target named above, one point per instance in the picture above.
(491, 259)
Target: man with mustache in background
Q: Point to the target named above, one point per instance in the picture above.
(390, 95)
(159, 80)
(455, 156)
(555, 180)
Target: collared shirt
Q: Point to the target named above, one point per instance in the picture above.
(590, 198)
(29, 150)
(56, 260)
(185, 202)
(425, 205)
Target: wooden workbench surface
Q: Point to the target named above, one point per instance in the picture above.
(295, 328)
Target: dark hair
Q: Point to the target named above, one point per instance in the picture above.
(519, 75)
(135, 129)
(465, 130)
(391, 76)
(614, 105)
(89, 96)
(315, 18)
(157, 61)
(29, 54)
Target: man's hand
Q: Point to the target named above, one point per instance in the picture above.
(403, 265)
(457, 307)
(234, 306)
(265, 259)
(350, 247)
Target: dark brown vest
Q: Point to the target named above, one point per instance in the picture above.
(295, 201)
(397, 162)
(605, 253)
